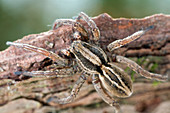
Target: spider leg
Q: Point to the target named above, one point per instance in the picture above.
(138, 69)
(73, 94)
(42, 51)
(121, 42)
(91, 23)
(76, 25)
(59, 22)
(65, 72)
(105, 96)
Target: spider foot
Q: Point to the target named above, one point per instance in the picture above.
(56, 100)
(149, 28)
(18, 73)
(50, 99)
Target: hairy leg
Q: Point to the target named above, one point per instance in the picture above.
(42, 51)
(105, 96)
(65, 72)
(92, 25)
(73, 94)
(121, 42)
(76, 25)
(59, 22)
(138, 69)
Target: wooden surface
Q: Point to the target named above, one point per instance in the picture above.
(30, 94)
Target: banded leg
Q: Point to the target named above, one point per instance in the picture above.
(121, 42)
(76, 25)
(92, 25)
(105, 96)
(42, 51)
(59, 22)
(138, 69)
(66, 72)
(73, 94)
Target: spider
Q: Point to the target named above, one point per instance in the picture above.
(85, 56)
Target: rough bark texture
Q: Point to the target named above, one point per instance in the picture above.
(30, 94)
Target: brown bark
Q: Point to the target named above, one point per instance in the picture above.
(156, 42)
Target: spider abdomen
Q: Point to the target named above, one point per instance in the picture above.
(116, 83)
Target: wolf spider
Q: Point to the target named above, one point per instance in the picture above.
(85, 53)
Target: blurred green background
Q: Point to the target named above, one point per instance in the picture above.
(22, 17)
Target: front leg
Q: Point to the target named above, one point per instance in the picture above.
(60, 22)
(42, 51)
(94, 29)
(138, 69)
(76, 25)
(103, 94)
(73, 94)
(121, 42)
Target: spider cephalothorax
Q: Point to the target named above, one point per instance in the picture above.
(108, 79)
